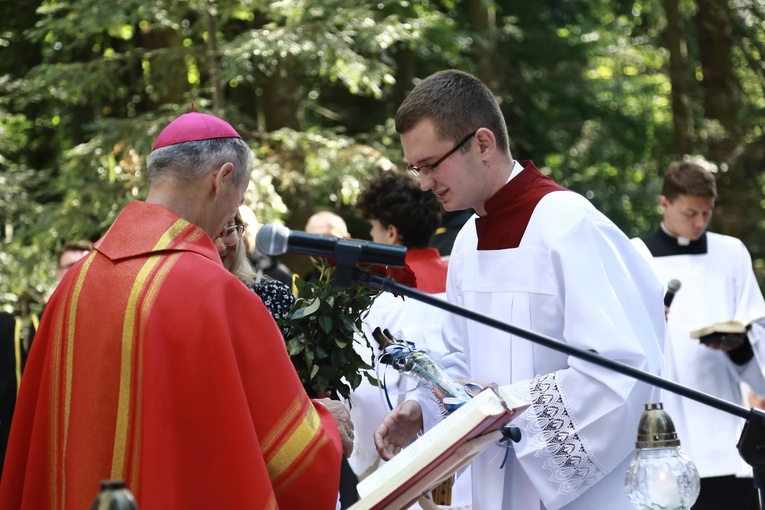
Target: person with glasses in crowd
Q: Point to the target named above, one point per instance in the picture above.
(542, 258)
(265, 265)
(276, 296)
(156, 366)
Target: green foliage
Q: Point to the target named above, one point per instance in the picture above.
(325, 322)
(312, 85)
(330, 168)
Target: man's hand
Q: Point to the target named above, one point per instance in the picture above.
(343, 420)
(733, 341)
(398, 428)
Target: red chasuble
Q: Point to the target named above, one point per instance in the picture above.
(508, 211)
(155, 365)
(429, 269)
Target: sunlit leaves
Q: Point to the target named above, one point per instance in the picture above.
(339, 41)
(332, 166)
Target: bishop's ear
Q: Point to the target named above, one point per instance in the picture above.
(223, 175)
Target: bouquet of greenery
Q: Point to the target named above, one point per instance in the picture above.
(323, 325)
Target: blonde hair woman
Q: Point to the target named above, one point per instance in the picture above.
(276, 296)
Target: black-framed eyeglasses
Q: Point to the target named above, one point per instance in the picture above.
(431, 169)
(233, 235)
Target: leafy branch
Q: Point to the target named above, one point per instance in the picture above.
(324, 322)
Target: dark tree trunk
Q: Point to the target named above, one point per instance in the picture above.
(735, 199)
(483, 22)
(281, 99)
(213, 63)
(168, 67)
(678, 73)
(719, 83)
(280, 105)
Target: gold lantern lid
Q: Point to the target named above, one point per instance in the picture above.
(656, 429)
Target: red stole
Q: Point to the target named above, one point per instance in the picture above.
(509, 210)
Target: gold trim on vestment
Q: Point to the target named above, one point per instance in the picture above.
(296, 444)
(128, 346)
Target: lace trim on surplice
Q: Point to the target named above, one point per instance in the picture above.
(553, 435)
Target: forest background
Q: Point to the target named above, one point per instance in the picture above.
(601, 94)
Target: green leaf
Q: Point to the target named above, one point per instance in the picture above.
(326, 323)
(307, 310)
(294, 346)
(308, 356)
(321, 352)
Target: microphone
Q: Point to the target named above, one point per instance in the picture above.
(672, 287)
(275, 239)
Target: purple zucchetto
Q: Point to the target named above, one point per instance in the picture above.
(194, 126)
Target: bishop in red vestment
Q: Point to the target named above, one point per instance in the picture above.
(155, 365)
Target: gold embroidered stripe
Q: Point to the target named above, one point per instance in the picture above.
(288, 420)
(148, 303)
(54, 382)
(17, 351)
(296, 445)
(271, 503)
(128, 332)
(165, 265)
(308, 455)
(64, 340)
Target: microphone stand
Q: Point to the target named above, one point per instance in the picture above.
(751, 444)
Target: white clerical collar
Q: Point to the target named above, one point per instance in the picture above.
(517, 168)
(681, 241)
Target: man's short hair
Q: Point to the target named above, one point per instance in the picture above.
(457, 103)
(395, 198)
(85, 246)
(686, 178)
(189, 161)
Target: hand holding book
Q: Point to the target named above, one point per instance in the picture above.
(724, 335)
(442, 450)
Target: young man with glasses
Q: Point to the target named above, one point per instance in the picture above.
(542, 258)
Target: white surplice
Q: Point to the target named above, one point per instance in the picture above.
(716, 286)
(576, 278)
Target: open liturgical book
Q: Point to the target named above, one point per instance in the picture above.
(441, 451)
(726, 333)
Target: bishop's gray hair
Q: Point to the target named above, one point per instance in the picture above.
(189, 161)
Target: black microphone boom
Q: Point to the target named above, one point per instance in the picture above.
(277, 239)
(672, 287)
